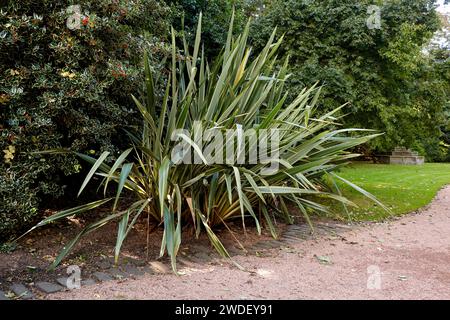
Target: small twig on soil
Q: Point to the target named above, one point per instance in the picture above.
(232, 233)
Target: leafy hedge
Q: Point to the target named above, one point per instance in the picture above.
(66, 81)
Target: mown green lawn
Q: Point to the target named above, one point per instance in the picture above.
(402, 188)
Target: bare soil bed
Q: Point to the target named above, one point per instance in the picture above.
(412, 253)
(29, 262)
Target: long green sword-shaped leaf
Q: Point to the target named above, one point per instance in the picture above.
(93, 170)
(229, 38)
(77, 238)
(67, 213)
(212, 108)
(174, 68)
(266, 215)
(254, 186)
(212, 194)
(116, 165)
(305, 214)
(124, 228)
(170, 237)
(163, 182)
(240, 193)
(198, 36)
(338, 190)
(362, 191)
(173, 235)
(122, 179)
(244, 202)
(217, 244)
(150, 86)
(162, 116)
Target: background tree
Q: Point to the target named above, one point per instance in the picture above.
(439, 50)
(390, 82)
(216, 19)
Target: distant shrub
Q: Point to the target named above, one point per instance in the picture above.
(66, 80)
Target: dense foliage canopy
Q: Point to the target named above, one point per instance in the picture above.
(392, 84)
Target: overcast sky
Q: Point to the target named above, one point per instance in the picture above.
(443, 7)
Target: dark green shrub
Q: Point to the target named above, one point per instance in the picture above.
(66, 81)
(388, 79)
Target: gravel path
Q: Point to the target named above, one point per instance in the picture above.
(407, 258)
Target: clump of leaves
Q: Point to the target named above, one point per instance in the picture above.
(239, 89)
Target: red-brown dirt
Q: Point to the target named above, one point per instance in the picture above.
(411, 253)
